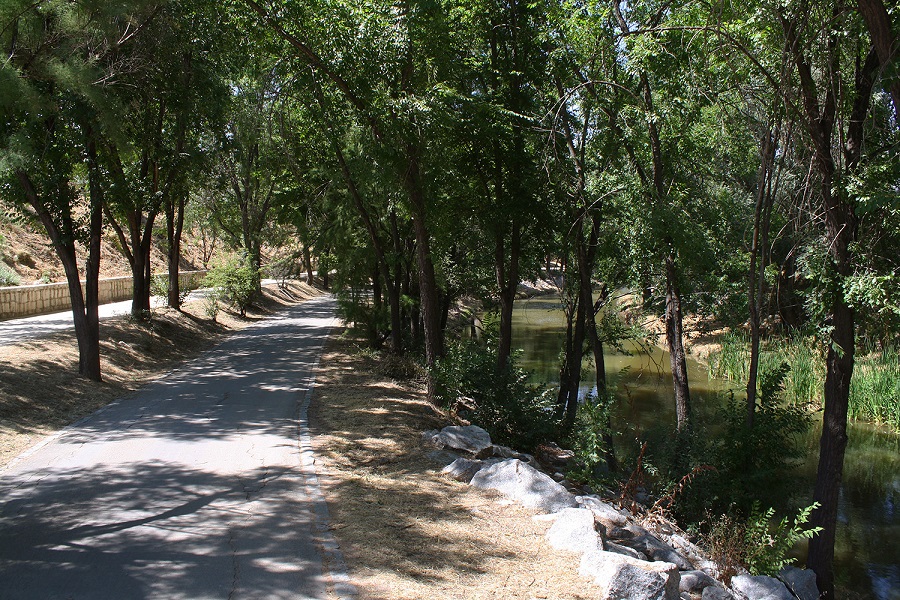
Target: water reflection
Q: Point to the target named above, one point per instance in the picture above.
(867, 553)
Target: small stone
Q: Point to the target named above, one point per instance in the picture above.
(462, 469)
(624, 550)
(441, 457)
(801, 582)
(623, 578)
(695, 581)
(654, 548)
(714, 592)
(607, 513)
(470, 438)
(759, 587)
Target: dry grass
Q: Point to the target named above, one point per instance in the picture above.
(41, 393)
(407, 531)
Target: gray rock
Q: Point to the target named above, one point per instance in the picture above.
(685, 596)
(695, 581)
(506, 452)
(625, 550)
(623, 578)
(606, 513)
(471, 438)
(463, 469)
(575, 531)
(759, 587)
(800, 582)
(656, 549)
(525, 484)
(714, 592)
(441, 457)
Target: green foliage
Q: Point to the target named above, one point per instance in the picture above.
(732, 360)
(8, 277)
(159, 286)
(513, 411)
(234, 280)
(589, 434)
(744, 464)
(802, 383)
(211, 306)
(364, 317)
(758, 542)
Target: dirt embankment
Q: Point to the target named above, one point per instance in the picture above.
(40, 391)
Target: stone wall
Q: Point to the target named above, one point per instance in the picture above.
(41, 299)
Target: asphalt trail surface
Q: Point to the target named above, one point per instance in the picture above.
(199, 486)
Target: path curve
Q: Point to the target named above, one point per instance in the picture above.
(199, 486)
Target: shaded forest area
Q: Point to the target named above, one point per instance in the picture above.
(736, 161)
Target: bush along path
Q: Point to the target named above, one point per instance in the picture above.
(626, 556)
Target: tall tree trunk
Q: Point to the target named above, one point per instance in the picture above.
(840, 229)
(570, 371)
(428, 289)
(675, 344)
(757, 270)
(507, 283)
(307, 263)
(586, 258)
(84, 305)
(174, 228)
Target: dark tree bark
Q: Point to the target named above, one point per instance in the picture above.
(428, 288)
(174, 229)
(757, 270)
(820, 119)
(507, 283)
(307, 263)
(85, 303)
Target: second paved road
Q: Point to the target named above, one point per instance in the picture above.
(193, 488)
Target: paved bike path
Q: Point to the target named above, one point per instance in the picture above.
(199, 486)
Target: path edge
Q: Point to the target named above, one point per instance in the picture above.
(333, 565)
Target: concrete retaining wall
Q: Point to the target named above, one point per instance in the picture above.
(30, 300)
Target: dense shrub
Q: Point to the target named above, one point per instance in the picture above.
(159, 286)
(501, 401)
(363, 317)
(234, 280)
(758, 542)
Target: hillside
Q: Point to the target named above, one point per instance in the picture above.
(26, 249)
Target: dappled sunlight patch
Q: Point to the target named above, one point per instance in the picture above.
(407, 531)
(40, 391)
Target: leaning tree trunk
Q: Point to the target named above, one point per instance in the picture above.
(85, 313)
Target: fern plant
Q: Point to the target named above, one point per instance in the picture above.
(767, 546)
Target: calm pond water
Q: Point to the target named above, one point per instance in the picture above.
(868, 537)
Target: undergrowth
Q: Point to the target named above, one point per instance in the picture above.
(498, 399)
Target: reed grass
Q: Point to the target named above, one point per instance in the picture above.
(875, 388)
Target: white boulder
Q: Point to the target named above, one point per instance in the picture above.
(623, 578)
(575, 530)
(524, 484)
